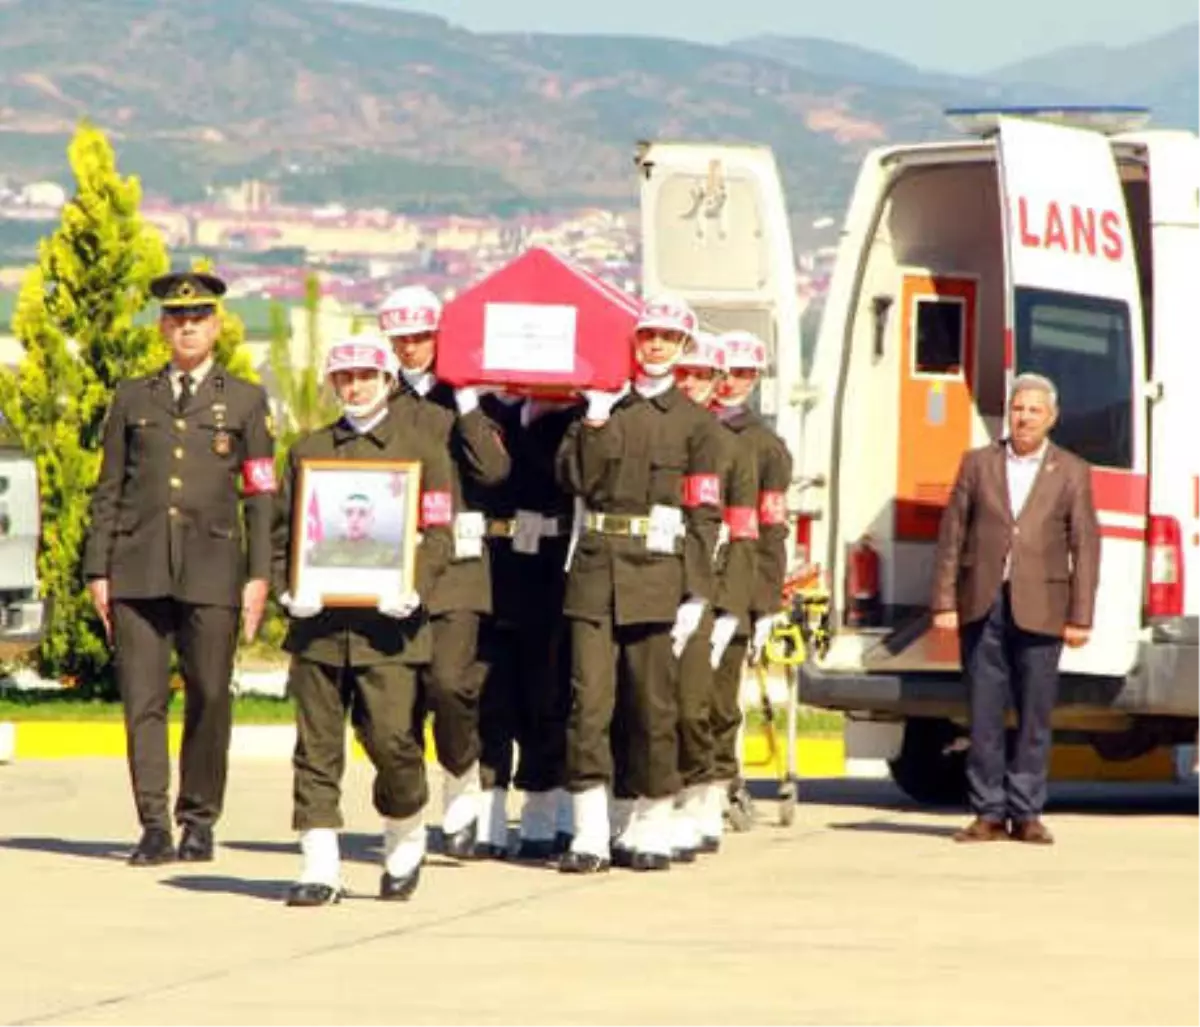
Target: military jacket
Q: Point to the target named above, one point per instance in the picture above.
(358, 636)
(736, 561)
(528, 576)
(663, 451)
(774, 464)
(164, 518)
(478, 460)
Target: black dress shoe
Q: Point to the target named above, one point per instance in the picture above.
(196, 845)
(461, 844)
(562, 842)
(154, 848)
(313, 895)
(683, 855)
(531, 851)
(489, 851)
(582, 863)
(622, 856)
(397, 889)
(709, 845)
(651, 861)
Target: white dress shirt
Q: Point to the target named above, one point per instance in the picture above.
(197, 373)
(1020, 472)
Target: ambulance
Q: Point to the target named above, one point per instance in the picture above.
(1061, 241)
(715, 231)
(1064, 242)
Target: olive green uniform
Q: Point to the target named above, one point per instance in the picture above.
(452, 682)
(346, 552)
(621, 597)
(360, 659)
(524, 643)
(774, 467)
(165, 530)
(734, 566)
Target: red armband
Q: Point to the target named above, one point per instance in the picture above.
(702, 490)
(772, 508)
(742, 521)
(258, 476)
(437, 509)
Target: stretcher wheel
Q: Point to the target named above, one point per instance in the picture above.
(741, 809)
(787, 803)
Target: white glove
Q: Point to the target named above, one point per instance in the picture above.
(724, 628)
(762, 631)
(401, 607)
(466, 399)
(600, 404)
(687, 620)
(302, 607)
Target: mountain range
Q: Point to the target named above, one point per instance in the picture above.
(372, 105)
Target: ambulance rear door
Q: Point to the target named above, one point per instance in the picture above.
(715, 232)
(1074, 314)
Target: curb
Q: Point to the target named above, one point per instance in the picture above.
(816, 756)
(50, 740)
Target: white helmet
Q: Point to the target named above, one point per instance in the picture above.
(410, 311)
(704, 349)
(744, 351)
(666, 313)
(669, 313)
(364, 351)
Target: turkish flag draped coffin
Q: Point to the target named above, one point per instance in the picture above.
(541, 325)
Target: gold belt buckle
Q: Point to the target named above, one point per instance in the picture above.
(501, 528)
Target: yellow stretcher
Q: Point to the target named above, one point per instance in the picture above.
(802, 628)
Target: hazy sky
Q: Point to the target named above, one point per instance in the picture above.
(943, 38)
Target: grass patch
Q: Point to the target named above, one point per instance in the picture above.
(53, 705)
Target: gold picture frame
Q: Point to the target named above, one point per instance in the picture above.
(354, 530)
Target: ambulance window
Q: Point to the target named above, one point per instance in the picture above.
(939, 332)
(1082, 344)
(709, 234)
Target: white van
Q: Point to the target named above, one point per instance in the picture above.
(715, 231)
(22, 613)
(1064, 242)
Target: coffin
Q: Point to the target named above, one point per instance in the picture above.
(540, 325)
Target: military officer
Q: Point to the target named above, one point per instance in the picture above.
(361, 659)
(452, 683)
(164, 559)
(524, 643)
(699, 374)
(645, 466)
(745, 360)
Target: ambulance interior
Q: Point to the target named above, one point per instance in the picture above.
(925, 381)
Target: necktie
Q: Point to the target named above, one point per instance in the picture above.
(185, 392)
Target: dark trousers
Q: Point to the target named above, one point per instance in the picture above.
(641, 654)
(144, 631)
(1004, 665)
(381, 700)
(450, 688)
(727, 709)
(526, 699)
(696, 683)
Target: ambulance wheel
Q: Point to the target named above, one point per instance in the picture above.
(931, 769)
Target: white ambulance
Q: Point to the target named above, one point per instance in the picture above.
(1065, 242)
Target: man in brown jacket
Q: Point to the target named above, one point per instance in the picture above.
(1016, 571)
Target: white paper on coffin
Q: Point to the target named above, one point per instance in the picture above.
(529, 337)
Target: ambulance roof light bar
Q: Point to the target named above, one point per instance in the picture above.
(1106, 119)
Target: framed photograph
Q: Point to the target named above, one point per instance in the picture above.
(354, 530)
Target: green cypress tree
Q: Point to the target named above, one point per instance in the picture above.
(75, 319)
